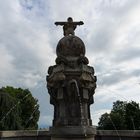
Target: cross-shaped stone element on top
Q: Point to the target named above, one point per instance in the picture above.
(69, 26)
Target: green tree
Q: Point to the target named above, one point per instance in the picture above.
(132, 116)
(105, 122)
(24, 106)
(123, 116)
(9, 113)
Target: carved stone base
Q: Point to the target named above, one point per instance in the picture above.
(73, 133)
(72, 138)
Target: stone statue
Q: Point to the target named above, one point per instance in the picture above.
(69, 26)
(71, 84)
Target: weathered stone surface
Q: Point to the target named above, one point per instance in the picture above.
(45, 135)
(53, 138)
(69, 26)
(70, 46)
(73, 131)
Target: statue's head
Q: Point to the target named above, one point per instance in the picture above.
(70, 19)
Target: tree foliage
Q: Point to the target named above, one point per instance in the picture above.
(123, 116)
(18, 109)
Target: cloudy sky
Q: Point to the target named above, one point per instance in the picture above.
(111, 33)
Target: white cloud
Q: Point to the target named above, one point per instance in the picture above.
(6, 63)
(111, 33)
(45, 121)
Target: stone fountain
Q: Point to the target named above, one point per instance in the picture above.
(71, 84)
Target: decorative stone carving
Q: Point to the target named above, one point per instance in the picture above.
(69, 26)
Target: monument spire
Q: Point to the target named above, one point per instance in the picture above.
(69, 26)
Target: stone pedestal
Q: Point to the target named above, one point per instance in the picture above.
(72, 138)
(73, 133)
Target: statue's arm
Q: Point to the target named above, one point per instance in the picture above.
(78, 23)
(60, 23)
(81, 23)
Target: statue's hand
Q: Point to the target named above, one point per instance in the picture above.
(81, 22)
